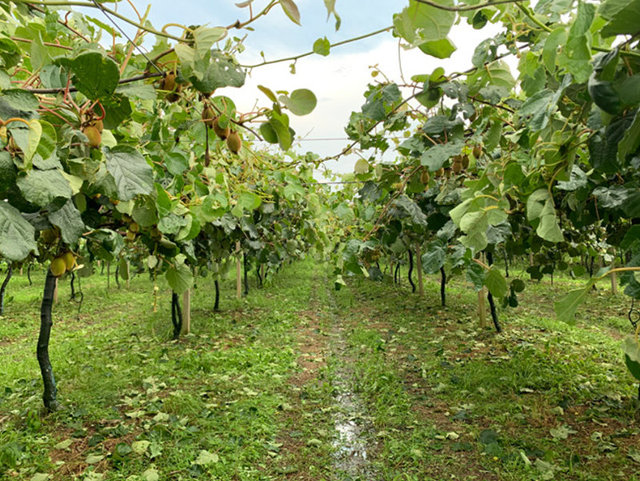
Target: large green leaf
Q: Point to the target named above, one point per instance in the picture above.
(300, 102)
(215, 71)
(179, 278)
(567, 306)
(69, 221)
(436, 156)
(419, 23)
(16, 234)
(623, 17)
(631, 349)
(496, 283)
(442, 48)
(41, 187)
(433, 259)
(131, 172)
(95, 75)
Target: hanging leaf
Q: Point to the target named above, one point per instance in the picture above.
(291, 10)
(95, 75)
(16, 234)
(131, 172)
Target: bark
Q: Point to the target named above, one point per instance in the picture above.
(413, 286)
(216, 306)
(176, 315)
(443, 287)
(246, 274)
(3, 288)
(492, 304)
(50, 391)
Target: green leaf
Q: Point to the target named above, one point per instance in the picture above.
(69, 221)
(150, 474)
(442, 48)
(291, 10)
(206, 458)
(361, 167)
(95, 75)
(16, 234)
(540, 207)
(18, 103)
(216, 71)
(433, 259)
(179, 278)
(322, 46)
(269, 93)
(300, 102)
(575, 56)
(249, 201)
(632, 356)
(41, 187)
(631, 140)
(496, 283)
(567, 306)
(176, 162)
(268, 133)
(131, 172)
(623, 17)
(419, 23)
(436, 156)
(205, 37)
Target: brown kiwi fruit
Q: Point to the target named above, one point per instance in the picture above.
(465, 162)
(134, 227)
(220, 132)
(439, 173)
(69, 260)
(94, 136)
(456, 166)
(168, 82)
(234, 143)
(477, 150)
(425, 177)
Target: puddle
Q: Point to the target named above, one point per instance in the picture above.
(350, 423)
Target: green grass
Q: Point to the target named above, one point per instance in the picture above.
(222, 389)
(252, 393)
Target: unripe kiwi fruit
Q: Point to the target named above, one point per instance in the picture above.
(233, 142)
(134, 227)
(58, 266)
(94, 136)
(98, 124)
(69, 260)
(424, 177)
(220, 132)
(208, 116)
(131, 235)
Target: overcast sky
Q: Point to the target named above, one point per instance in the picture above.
(338, 80)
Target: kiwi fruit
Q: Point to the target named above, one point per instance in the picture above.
(69, 260)
(94, 136)
(99, 125)
(220, 132)
(131, 235)
(456, 166)
(168, 82)
(439, 173)
(465, 162)
(49, 236)
(477, 150)
(58, 266)
(424, 177)
(134, 227)
(208, 116)
(233, 142)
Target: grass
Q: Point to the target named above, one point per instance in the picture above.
(254, 392)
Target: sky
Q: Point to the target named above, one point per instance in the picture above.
(338, 80)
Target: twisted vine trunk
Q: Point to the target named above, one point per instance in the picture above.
(29, 274)
(50, 391)
(413, 286)
(3, 288)
(259, 275)
(216, 306)
(72, 285)
(492, 304)
(443, 284)
(396, 278)
(176, 315)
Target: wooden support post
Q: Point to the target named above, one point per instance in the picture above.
(482, 312)
(186, 312)
(128, 273)
(614, 281)
(238, 272)
(55, 292)
(419, 267)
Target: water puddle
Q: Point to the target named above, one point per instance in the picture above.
(350, 422)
